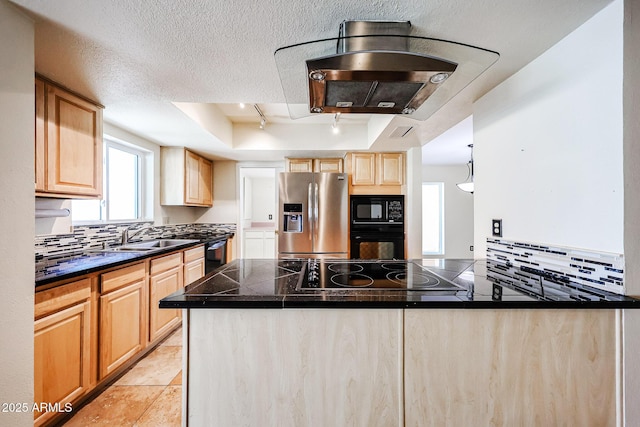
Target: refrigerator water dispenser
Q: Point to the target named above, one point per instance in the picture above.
(292, 218)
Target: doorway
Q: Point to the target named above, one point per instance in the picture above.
(258, 211)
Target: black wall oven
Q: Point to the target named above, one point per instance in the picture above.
(377, 227)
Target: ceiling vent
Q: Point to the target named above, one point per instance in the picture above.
(400, 131)
(376, 67)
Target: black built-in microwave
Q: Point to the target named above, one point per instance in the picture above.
(377, 209)
(377, 227)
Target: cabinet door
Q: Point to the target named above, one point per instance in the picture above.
(391, 169)
(161, 285)
(192, 178)
(40, 155)
(121, 326)
(269, 247)
(363, 169)
(73, 144)
(194, 264)
(299, 165)
(327, 165)
(253, 244)
(193, 271)
(62, 357)
(206, 182)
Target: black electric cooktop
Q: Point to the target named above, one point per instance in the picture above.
(321, 274)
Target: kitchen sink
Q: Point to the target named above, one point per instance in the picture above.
(149, 245)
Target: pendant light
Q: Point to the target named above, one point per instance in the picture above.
(467, 185)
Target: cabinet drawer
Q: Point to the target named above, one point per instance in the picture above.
(165, 262)
(57, 298)
(253, 234)
(193, 254)
(123, 276)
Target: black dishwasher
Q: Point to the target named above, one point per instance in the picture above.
(215, 254)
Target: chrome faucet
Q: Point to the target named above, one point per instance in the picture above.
(126, 236)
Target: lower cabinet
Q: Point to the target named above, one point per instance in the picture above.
(86, 331)
(193, 264)
(166, 277)
(259, 244)
(122, 316)
(62, 345)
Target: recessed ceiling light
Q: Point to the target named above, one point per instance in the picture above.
(317, 75)
(439, 78)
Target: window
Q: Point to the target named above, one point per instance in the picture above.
(122, 187)
(433, 218)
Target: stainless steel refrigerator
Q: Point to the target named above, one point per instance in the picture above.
(313, 215)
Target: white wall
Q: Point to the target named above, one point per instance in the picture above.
(16, 211)
(458, 209)
(563, 123)
(548, 144)
(263, 195)
(225, 194)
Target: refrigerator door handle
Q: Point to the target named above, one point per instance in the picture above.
(316, 201)
(310, 207)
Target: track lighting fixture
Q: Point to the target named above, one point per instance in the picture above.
(263, 119)
(334, 126)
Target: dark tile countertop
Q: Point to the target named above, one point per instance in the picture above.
(267, 283)
(74, 264)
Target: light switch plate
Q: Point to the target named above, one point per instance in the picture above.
(496, 226)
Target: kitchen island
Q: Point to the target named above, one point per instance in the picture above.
(267, 342)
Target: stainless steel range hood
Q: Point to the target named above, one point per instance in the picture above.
(376, 67)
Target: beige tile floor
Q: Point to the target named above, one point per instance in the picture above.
(150, 394)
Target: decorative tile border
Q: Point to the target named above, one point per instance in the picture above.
(98, 236)
(530, 265)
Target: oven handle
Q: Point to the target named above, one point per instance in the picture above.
(380, 237)
(376, 222)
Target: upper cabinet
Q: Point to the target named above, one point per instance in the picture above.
(376, 172)
(186, 178)
(68, 143)
(391, 169)
(314, 165)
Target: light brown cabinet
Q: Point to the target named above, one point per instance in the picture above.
(390, 168)
(377, 168)
(68, 143)
(193, 264)
(89, 330)
(122, 316)
(186, 178)
(363, 169)
(62, 345)
(166, 277)
(299, 165)
(314, 165)
(206, 182)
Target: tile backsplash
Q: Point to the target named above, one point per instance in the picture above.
(529, 264)
(97, 236)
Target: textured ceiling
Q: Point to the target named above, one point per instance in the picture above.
(138, 57)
